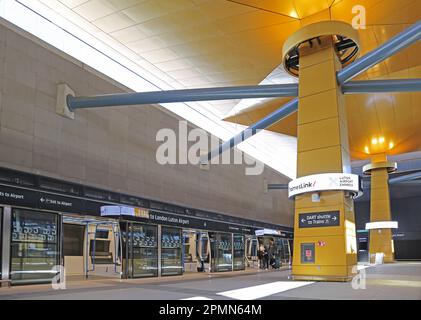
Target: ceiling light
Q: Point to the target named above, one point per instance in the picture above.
(381, 140)
(367, 150)
(391, 145)
(293, 14)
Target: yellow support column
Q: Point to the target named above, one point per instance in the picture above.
(326, 253)
(381, 240)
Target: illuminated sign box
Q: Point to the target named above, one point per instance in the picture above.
(381, 225)
(124, 211)
(325, 182)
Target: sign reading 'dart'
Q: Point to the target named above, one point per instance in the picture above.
(325, 182)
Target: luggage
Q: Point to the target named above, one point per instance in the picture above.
(275, 263)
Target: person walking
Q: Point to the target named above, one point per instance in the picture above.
(261, 255)
(272, 254)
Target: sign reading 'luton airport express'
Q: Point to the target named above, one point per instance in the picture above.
(325, 182)
(319, 219)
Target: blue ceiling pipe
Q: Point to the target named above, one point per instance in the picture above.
(204, 94)
(386, 50)
(226, 93)
(376, 86)
(353, 87)
(277, 186)
(289, 108)
(405, 178)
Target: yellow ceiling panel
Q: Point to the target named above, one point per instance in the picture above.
(307, 8)
(319, 16)
(389, 12)
(250, 21)
(281, 7)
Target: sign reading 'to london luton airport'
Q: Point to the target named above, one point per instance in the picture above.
(324, 182)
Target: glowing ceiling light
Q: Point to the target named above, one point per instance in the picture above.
(367, 150)
(381, 140)
(374, 141)
(293, 14)
(391, 145)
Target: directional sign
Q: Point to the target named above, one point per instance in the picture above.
(319, 219)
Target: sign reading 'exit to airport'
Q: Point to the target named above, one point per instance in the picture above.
(319, 219)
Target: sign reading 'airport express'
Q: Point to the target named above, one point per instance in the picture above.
(324, 182)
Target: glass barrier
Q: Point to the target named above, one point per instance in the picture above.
(34, 246)
(239, 252)
(171, 251)
(143, 250)
(221, 251)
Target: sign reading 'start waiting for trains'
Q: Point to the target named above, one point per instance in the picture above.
(323, 182)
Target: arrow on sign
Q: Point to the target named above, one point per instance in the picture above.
(334, 218)
(42, 200)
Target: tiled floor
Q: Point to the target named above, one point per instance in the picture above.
(394, 281)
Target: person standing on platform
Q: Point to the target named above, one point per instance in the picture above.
(261, 256)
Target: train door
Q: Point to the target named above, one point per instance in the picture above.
(239, 259)
(195, 251)
(140, 247)
(221, 251)
(91, 247)
(171, 251)
(252, 244)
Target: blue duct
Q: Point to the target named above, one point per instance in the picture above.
(289, 108)
(386, 50)
(226, 93)
(405, 178)
(277, 186)
(204, 94)
(376, 86)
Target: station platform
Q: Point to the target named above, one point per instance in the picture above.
(401, 280)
